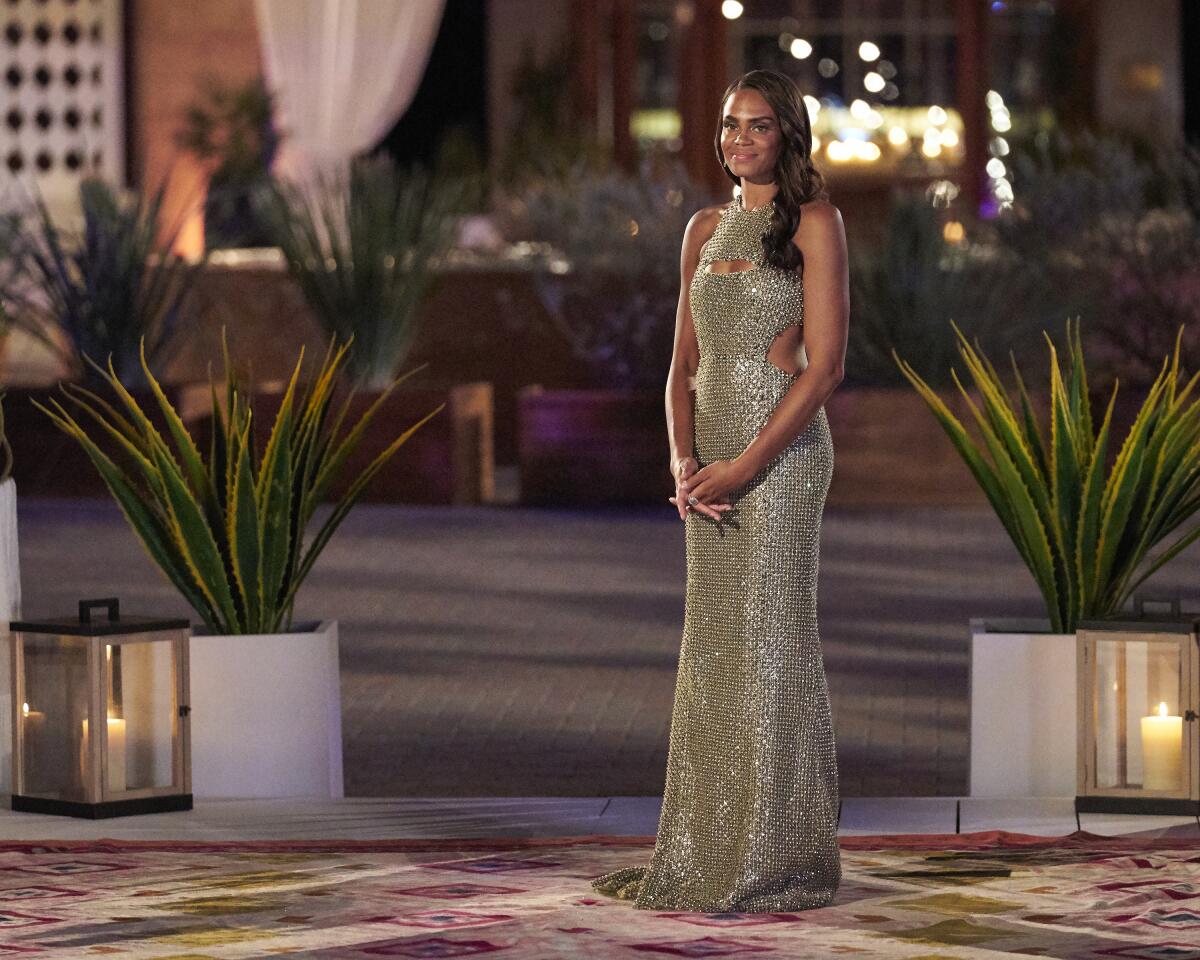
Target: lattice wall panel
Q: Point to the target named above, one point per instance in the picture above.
(61, 93)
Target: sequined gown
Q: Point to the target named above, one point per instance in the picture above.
(749, 815)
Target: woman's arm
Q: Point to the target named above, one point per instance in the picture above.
(685, 356)
(822, 239)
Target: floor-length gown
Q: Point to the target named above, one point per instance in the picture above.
(749, 815)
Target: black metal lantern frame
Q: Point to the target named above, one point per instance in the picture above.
(1138, 707)
(100, 714)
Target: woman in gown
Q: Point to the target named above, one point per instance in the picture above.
(749, 815)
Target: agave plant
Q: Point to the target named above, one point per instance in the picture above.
(104, 292)
(1085, 529)
(229, 533)
(362, 246)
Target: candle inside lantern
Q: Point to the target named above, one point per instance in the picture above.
(116, 753)
(1162, 750)
(33, 725)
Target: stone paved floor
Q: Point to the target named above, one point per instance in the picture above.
(500, 651)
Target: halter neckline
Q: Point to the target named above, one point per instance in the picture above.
(741, 204)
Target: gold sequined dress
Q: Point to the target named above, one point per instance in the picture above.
(749, 815)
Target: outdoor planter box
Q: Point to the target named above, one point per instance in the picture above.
(450, 460)
(47, 462)
(583, 447)
(890, 450)
(1022, 699)
(610, 446)
(266, 714)
(10, 609)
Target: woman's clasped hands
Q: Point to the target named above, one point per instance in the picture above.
(705, 489)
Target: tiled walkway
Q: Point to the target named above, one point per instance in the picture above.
(505, 652)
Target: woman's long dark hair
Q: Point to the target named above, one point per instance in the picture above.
(799, 181)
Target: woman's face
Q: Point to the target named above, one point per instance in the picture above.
(750, 136)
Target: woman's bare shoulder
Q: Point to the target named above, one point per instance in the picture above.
(820, 224)
(702, 224)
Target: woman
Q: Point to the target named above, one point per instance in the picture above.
(749, 817)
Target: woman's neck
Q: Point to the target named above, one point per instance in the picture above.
(754, 195)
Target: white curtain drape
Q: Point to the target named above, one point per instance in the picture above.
(343, 71)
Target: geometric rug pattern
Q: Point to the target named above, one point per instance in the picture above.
(983, 895)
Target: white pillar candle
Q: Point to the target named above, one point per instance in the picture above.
(116, 754)
(1162, 751)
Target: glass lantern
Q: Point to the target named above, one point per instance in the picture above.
(1138, 689)
(100, 714)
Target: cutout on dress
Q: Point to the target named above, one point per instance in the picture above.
(729, 266)
(784, 352)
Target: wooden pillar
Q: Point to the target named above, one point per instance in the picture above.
(972, 77)
(702, 66)
(585, 43)
(624, 76)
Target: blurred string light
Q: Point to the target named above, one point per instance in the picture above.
(731, 9)
(997, 169)
(864, 132)
(868, 130)
(953, 232)
(1001, 120)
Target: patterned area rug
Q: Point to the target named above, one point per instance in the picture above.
(983, 895)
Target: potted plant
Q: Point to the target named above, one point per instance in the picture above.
(229, 129)
(1083, 522)
(10, 599)
(100, 291)
(612, 292)
(230, 531)
(363, 245)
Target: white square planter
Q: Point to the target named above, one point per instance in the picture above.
(1022, 710)
(267, 715)
(10, 609)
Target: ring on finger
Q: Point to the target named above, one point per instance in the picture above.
(693, 501)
